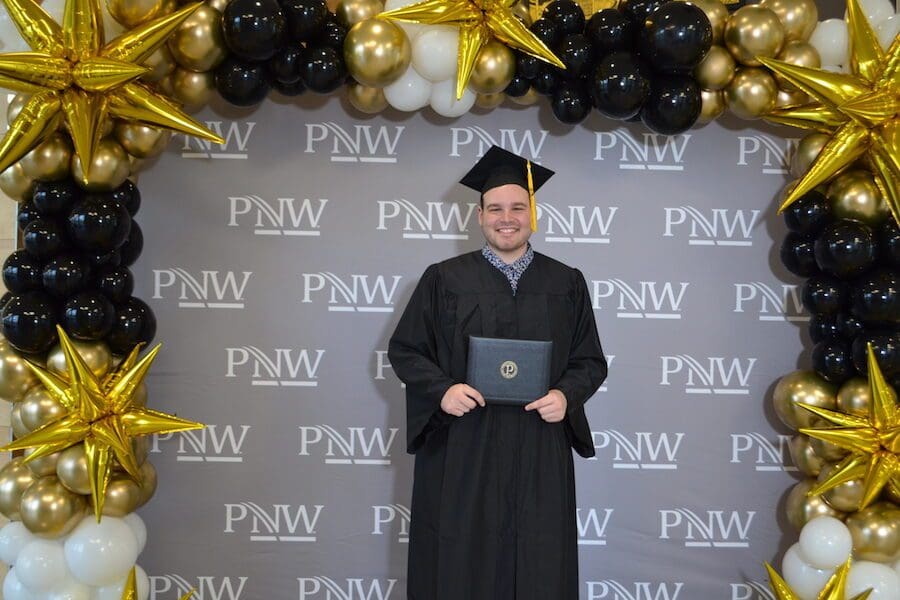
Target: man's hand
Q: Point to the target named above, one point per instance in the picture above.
(460, 399)
(551, 407)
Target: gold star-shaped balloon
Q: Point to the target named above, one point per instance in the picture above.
(76, 78)
(833, 590)
(101, 413)
(859, 110)
(478, 21)
(129, 592)
(873, 441)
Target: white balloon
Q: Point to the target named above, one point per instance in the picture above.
(876, 11)
(41, 565)
(807, 581)
(138, 528)
(830, 39)
(101, 553)
(444, 102)
(70, 590)
(883, 580)
(887, 30)
(13, 588)
(114, 591)
(825, 542)
(410, 92)
(434, 53)
(13, 537)
(412, 29)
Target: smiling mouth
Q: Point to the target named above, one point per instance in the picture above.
(508, 229)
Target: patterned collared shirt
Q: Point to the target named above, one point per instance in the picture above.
(512, 271)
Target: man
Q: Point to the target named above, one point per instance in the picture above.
(493, 506)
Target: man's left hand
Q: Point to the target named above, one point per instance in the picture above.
(551, 407)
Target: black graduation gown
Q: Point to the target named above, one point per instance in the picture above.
(493, 504)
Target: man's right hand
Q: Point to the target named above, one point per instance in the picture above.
(460, 399)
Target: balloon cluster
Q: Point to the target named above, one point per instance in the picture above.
(633, 63)
(73, 270)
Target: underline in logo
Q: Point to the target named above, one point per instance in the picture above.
(717, 544)
(366, 159)
(591, 542)
(225, 156)
(717, 391)
(291, 232)
(378, 309)
(282, 538)
(648, 315)
(718, 243)
(652, 466)
(783, 318)
(357, 461)
(435, 236)
(632, 167)
(212, 459)
(284, 383)
(210, 305)
(775, 468)
(771, 171)
(577, 240)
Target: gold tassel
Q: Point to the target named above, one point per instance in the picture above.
(531, 200)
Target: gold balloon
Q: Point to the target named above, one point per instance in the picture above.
(828, 451)
(801, 386)
(804, 457)
(192, 89)
(892, 493)
(140, 396)
(854, 195)
(109, 169)
(15, 106)
(801, 508)
(876, 533)
(219, 5)
(122, 496)
(16, 184)
(522, 11)
(799, 17)
(161, 64)
(494, 69)
(846, 497)
(95, 354)
(787, 99)
(50, 510)
(855, 397)
(527, 99)
(50, 160)
(753, 31)
(142, 141)
(141, 448)
(716, 69)
(712, 105)
(15, 376)
(72, 469)
(198, 44)
(15, 420)
(751, 93)
(489, 101)
(366, 99)
(717, 13)
(45, 465)
(807, 150)
(131, 13)
(148, 483)
(351, 12)
(797, 53)
(38, 408)
(377, 52)
(15, 478)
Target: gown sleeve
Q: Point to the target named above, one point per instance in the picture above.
(413, 352)
(586, 369)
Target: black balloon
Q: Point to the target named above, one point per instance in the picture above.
(567, 15)
(610, 31)
(116, 283)
(676, 37)
(570, 102)
(823, 294)
(845, 248)
(527, 66)
(518, 86)
(285, 65)
(798, 255)
(889, 244)
(131, 249)
(242, 83)
(253, 29)
(108, 259)
(619, 85)
(885, 345)
(547, 31)
(849, 326)
(824, 327)
(134, 324)
(305, 18)
(128, 196)
(51, 198)
(323, 69)
(65, 275)
(331, 35)
(5, 300)
(21, 272)
(289, 89)
(833, 361)
(27, 213)
(29, 322)
(577, 53)
(875, 297)
(547, 80)
(809, 214)
(44, 237)
(98, 224)
(88, 316)
(639, 10)
(673, 104)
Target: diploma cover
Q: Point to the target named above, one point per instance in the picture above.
(508, 371)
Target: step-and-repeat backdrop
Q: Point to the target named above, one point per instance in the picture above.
(279, 263)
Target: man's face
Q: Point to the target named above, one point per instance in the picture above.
(505, 219)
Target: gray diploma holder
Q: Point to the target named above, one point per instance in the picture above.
(514, 372)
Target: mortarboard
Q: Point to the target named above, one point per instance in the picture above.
(500, 167)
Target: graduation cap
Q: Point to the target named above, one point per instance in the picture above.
(500, 167)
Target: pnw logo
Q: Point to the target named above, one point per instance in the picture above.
(283, 216)
(165, 587)
(235, 133)
(434, 221)
(650, 152)
(475, 141)
(646, 300)
(326, 588)
(719, 227)
(211, 289)
(716, 529)
(773, 155)
(592, 524)
(362, 293)
(771, 305)
(361, 144)
(284, 367)
(717, 376)
(641, 450)
(393, 517)
(281, 523)
(751, 590)
(354, 446)
(582, 224)
(765, 454)
(610, 589)
(213, 443)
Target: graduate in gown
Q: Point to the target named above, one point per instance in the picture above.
(493, 504)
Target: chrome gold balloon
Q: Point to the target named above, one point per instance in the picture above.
(15, 421)
(854, 397)
(72, 470)
(366, 99)
(786, 99)
(194, 90)
(489, 101)
(377, 52)
(43, 466)
(161, 63)
(49, 510)
(148, 482)
(798, 17)
(712, 105)
(494, 69)
(122, 496)
(800, 508)
(108, 170)
(717, 13)
(854, 195)
(15, 478)
(16, 184)
(716, 69)
(95, 354)
(131, 13)
(351, 12)
(801, 387)
(15, 106)
(876, 533)
(38, 408)
(197, 44)
(50, 160)
(804, 457)
(807, 150)
(751, 93)
(753, 31)
(527, 99)
(797, 53)
(141, 141)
